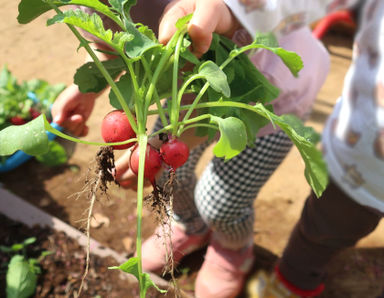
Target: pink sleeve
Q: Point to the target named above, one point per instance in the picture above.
(274, 15)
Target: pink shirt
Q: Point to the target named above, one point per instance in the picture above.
(353, 138)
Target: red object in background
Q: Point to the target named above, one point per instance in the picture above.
(342, 16)
(17, 120)
(34, 113)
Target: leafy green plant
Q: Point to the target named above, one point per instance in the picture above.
(22, 102)
(231, 96)
(22, 271)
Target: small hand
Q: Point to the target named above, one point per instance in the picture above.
(209, 16)
(124, 175)
(72, 109)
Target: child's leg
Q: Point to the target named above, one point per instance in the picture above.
(327, 226)
(225, 193)
(224, 197)
(189, 231)
(184, 208)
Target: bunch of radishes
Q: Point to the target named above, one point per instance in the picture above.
(173, 152)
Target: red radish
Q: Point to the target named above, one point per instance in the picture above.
(34, 113)
(17, 120)
(116, 128)
(174, 153)
(152, 162)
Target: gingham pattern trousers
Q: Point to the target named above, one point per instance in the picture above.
(222, 199)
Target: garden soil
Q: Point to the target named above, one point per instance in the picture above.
(50, 53)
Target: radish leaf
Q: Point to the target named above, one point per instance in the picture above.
(233, 137)
(125, 85)
(290, 59)
(55, 156)
(31, 9)
(216, 77)
(94, 25)
(132, 267)
(303, 138)
(89, 78)
(139, 43)
(21, 277)
(30, 138)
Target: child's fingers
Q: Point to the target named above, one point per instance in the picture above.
(122, 164)
(204, 22)
(172, 13)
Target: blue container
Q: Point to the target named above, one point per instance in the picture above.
(19, 157)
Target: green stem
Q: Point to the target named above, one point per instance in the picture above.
(233, 104)
(185, 85)
(175, 74)
(163, 130)
(198, 125)
(196, 101)
(143, 140)
(196, 119)
(152, 85)
(157, 99)
(164, 60)
(103, 70)
(132, 73)
(69, 138)
(206, 85)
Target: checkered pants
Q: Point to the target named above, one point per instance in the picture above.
(222, 199)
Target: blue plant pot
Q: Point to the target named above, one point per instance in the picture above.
(19, 157)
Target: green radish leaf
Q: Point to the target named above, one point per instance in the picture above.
(140, 42)
(21, 278)
(253, 124)
(55, 156)
(182, 22)
(233, 137)
(30, 138)
(187, 54)
(247, 84)
(126, 88)
(18, 246)
(132, 267)
(305, 131)
(94, 25)
(89, 78)
(122, 6)
(267, 39)
(216, 78)
(31, 9)
(145, 30)
(290, 59)
(29, 241)
(315, 167)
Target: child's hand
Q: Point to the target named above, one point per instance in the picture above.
(123, 173)
(72, 109)
(209, 16)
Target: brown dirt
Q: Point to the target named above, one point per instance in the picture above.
(34, 51)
